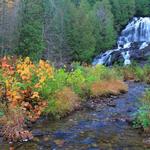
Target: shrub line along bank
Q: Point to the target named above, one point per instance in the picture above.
(33, 89)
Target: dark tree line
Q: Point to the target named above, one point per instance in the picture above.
(64, 30)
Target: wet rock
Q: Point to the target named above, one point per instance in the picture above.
(38, 132)
(71, 120)
(127, 119)
(130, 120)
(121, 119)
(131, 109)
(135, 54)
(46, 139)
(112, 104)
(45, 144)
(90, 105)
(36, 140)
(95, 145)
(147, 142)
(147, 130)
(113, 96)
(1, 140)
(60, 143)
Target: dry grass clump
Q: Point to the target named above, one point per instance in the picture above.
(66, 101)
(128, 74)
(110, 87)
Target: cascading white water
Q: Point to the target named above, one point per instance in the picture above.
(138, 30)
(126, 57)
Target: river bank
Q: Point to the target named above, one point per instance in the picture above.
(103, 125)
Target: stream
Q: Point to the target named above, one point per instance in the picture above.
(101, 127)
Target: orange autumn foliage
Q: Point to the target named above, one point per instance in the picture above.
(32, 104)
(25, 69)
(43, 71)
(20, 89)
(7, 66)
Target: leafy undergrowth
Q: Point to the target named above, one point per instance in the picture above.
(143, 114)
(139, 74)
(135, 72)
(13, 129)
(34, 89)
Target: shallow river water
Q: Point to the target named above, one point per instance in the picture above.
(101, 128)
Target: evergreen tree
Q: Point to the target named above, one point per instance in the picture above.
(58, 15)
(105, 34)
(31, 31)
(82, 41)
(92, 2)
(123, 10)
(142, 7)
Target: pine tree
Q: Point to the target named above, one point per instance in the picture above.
(31, 31)
(123, 10)
(104, 26)
(142, 7)
(82, 41)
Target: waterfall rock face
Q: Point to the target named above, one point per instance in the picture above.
(133, 43)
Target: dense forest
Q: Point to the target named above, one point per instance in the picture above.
(66, 30)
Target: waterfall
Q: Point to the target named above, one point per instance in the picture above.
(138, 30)
(126, 57)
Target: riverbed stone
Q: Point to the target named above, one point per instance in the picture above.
(38, 132)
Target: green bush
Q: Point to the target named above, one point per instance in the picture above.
(146, 77)
(139, 73)
(51, 86)
(143, 114)
(143, 117)
(76, 80)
